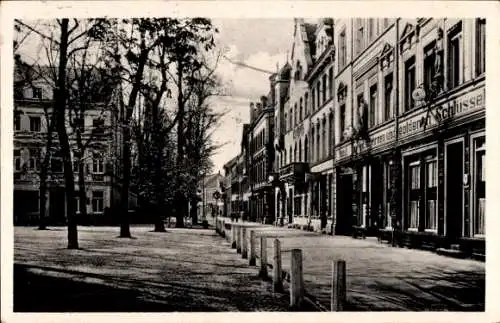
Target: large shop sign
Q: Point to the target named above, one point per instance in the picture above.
(462, 105)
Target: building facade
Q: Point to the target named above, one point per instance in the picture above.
(33, 104)
(410, 96)
(260, 160)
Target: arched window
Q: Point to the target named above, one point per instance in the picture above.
(330, 134)
(318, 142)
(323, 134)
(313, 147)
(301, 111)
(295, 114)
(295, 152)
(306, 104)
(306, 151)
(300, 151)
(318, 94)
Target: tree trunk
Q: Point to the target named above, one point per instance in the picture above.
(125, 223)
(59, 109)
(125, 219)
(181, 201)
(42, 224)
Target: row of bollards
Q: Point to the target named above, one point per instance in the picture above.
(239, 240)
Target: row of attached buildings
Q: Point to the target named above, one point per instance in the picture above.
(374, 126)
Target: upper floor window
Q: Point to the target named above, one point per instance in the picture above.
(385, 23)
(318, 93)
(313, 96)
(410, 82)
(286, 122)
(373, 106)
(324, 88)
(98, 125)
(295, 114)
(306, 103)
(342, 121)
(97, 164)
(301, 111)
(371, 29)
(360, 35)
(17, 123)
(17, 159)
(35, 124)
(480, 46)
(429, 65)
(342, 50)
(388, 86)
(454, 56)
(37, 92)
(330, 82)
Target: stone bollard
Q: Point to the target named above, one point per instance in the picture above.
(252, 261)
(296, 280)
(234, 228)
(238, 239)
(263, 257)
(277, 276)
(244, 243)
(223, 230)
(338, 296)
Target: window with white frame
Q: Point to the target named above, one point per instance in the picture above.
(37, 92)
(342, 50)
(97, 201)
(34, 160)
(455, 49)
(360, 35)
(431, 213)
(388, 87)
(97, 164)
(410, 82)
(35, 124)
(372, 117)
(479, 186)
(415, 195)
(17, 159)
(388, 193)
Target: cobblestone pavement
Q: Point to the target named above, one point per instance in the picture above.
(181, 270)
(381, 277)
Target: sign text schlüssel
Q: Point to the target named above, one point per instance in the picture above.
(461, 105)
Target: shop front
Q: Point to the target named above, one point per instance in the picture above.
(442, 156)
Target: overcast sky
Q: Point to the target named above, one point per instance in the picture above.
(261, 43)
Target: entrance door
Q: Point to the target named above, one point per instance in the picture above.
(454, 190)
(344, 205)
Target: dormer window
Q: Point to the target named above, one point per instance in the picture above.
(298, 71)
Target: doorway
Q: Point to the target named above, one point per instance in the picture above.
(344, 205)
(454, 190)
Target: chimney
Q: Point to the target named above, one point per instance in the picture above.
(263, 100)
(258, 109)
(252, 111)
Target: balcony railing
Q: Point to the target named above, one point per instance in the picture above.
(295, 171)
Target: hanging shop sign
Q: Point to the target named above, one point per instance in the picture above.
(429, 118)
